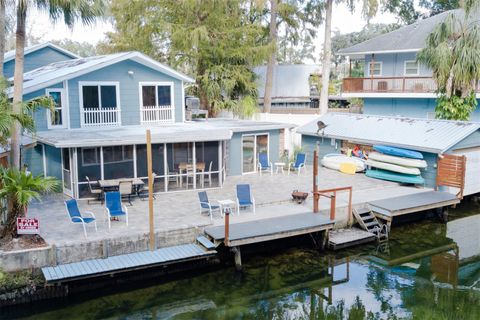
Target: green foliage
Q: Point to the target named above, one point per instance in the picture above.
(455, 107)
(409, 11)
(10, 281)
(83, 49)
(453, 54)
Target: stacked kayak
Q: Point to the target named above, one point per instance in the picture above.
(337, 161)
(396, 164)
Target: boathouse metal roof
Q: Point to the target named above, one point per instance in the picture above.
(409, 38)
(56, 72)
(210, 130)
(428, 135)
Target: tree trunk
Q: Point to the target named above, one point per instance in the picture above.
(2, 34)
(267, 97)
(10, 228)
(327, 57)
(18, 83)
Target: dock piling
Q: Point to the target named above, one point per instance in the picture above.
(238, 258)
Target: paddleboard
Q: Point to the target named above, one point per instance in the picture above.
(406, 162)
(394, 176)
(334, 160)
(399, 152)
(392, 167)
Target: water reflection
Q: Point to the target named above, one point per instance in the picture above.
(428, 270)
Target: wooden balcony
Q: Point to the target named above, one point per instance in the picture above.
(389, 85)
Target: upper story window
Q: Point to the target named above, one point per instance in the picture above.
(57, 119)
(411, 68)
(375, 68)
(156, 94)
(101, 95)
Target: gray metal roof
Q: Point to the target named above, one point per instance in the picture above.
(211, 130)
(435, 136)
(10, 55)
(410, 38)
(59, 71)
(289, 81)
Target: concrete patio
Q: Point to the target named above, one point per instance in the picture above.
(178, 218)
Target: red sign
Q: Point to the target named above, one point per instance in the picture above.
(28, 226)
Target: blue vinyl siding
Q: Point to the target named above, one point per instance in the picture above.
(393, 64)
(309, 144)
(33, 158)
(129, 90)
(234, 165)
(405, 107)
(36, 60)
(40, 115)
(54, 161)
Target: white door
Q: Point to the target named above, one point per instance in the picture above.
(472, 172)
(67, 177)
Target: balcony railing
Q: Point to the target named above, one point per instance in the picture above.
(390, 84)
(95, 117)
(157, 114)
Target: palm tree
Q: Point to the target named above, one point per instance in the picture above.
(3, 19)
(70, 10)
(453, 53)
(19, 188)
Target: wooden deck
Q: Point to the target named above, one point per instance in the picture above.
(270, 229)
(387, 209)
(125, 262)
(343, 238)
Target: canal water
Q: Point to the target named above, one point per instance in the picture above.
(428, 270)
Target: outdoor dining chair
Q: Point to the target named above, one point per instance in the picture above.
(208, 174)
(114, 207)
(299, 163)
(126, 190)
(143, 191)
(205, 204)
(76, 216)
(264, 164)
(245, 197)
(96, 192)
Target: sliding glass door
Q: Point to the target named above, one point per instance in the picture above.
(252, 146)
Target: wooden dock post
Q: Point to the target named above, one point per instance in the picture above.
(227, 226)
(238, 258)
(150, 192)
(315, 185)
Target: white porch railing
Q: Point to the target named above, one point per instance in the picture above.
(93, 117)
(157, 114)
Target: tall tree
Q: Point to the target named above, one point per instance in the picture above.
(85, 10)
(272, 38)
(3, 27)
(453, 54)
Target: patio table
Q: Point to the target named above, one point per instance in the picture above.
(114, 183)
(183, 166)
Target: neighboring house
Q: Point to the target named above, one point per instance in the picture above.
(430, 137)
(104, 105)
(291, 88)
(36, 56)
(394, 83)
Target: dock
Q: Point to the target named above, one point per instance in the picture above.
(126, 262)
(343, 238)
(387, 209)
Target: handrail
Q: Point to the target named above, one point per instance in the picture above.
(332, 194)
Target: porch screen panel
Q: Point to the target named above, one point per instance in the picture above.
(90, 97)
(164, 97)
(118, 162)
(158, 166)
(207, 152)
(88, 166)
(108, 96)
(148, 96)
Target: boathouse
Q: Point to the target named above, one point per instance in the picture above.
(433, 138)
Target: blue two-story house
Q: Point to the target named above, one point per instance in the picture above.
(394, 83)
(104, 104)
(36, 56)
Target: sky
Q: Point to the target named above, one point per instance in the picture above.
(40, 26)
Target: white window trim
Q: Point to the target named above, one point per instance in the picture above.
(369, 68)
(82, 84)
(405, 68)
(64, 109)
(255, 160)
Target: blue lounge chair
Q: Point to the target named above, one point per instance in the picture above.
(114, 207)
(299, 163)
(76, 216)
(245, 197)
(205, 204)
(263, 163)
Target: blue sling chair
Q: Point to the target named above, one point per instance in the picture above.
(114, 207)
(245, 197)
(299, 163)
(76, 216)
(263, 163)
(205, 204)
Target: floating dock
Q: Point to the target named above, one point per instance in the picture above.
(387, 209)
(343, 238)
(126, 262)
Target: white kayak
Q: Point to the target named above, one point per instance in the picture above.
(334, 160)
(406, 162)
(392, 167)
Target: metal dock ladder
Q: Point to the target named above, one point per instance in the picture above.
(368, 221)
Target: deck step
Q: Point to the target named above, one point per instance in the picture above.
(207, 244)
(371, 224)
(367, 220)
